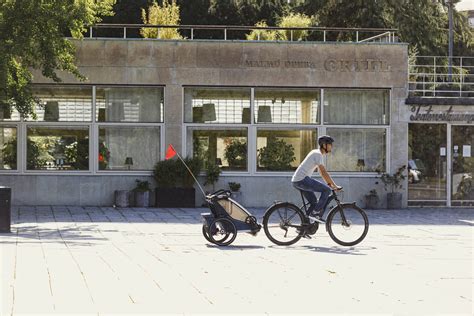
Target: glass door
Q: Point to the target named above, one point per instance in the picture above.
(462, 153)
(427, 164)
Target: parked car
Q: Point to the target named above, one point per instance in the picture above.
(414, 173)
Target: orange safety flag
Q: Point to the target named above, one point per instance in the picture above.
(170, 152)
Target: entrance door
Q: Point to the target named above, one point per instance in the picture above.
(462, 154)
(427, 164)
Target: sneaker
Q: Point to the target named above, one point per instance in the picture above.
(305, 235)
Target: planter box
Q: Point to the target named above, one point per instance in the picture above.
(142, 199)
(237, 196)
(175, 197)
(122, 198)
(394, 200)
(371, 202)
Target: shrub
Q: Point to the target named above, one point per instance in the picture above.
(167, 14)
(142, 186)
(262, 35)
(294, 20)
(393, 181)
(234, 186)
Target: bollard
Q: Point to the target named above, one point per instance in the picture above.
(5, 209)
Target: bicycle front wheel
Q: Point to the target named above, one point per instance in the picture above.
(283, 224)
(347, 225)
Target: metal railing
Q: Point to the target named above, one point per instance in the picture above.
(428, 76)
(226, 32)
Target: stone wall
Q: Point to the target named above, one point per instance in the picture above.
(175, 64)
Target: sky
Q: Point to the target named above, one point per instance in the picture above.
(465, 5)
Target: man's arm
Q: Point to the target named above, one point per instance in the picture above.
(327, 178)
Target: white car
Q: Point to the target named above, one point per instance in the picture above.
(414, 174)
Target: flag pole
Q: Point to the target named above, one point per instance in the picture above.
(199, 185)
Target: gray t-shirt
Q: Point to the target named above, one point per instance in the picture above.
(309, 164)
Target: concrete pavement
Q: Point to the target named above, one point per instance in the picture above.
(98, 260)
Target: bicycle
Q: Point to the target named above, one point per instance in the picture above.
(290, 221)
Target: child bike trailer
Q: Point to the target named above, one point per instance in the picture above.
(220, 226)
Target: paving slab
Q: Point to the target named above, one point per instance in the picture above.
(109, 261)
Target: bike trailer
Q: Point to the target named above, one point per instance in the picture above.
(227, 216)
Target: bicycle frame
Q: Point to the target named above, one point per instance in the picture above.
(334, 197)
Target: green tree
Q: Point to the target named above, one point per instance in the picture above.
(33, 36)
(294, 20)
(166, 14)
(419, 22)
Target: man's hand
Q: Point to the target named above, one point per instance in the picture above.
(335, 187)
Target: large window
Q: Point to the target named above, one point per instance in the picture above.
(357, 149)
(287, 106)
(129, 104)
(57, 148)
(225, 148)
(63, 104)
(283, 127)
(128, 148)
(217, 105)
(356, 107)
(283, 150)
(118, 126)
(8, 145)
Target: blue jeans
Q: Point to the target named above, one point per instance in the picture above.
(308, 186)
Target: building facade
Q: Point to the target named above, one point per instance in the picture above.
(439, 112)
(253, 108)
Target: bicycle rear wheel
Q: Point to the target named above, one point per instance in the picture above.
(347, 224)
(283, 224)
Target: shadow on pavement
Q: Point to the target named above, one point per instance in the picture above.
(73, 236)
(234, 247)
(355, 251)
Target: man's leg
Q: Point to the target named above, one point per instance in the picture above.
(308, 193)
(309, 184)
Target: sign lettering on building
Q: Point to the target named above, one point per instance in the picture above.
(445, 116)
(356, 65)
(332, 65)
(280, 63)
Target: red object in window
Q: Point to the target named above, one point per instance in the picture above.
(101, 158)
(170, 152)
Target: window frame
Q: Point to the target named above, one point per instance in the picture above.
(17, 126)
(93, 126)
(321, 129)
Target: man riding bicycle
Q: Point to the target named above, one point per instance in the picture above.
(302, 178)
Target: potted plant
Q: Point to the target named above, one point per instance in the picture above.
(393, 182)
(174, 183)
(277, 155)
(371, 199)
(212, 174)
(104, 156)
(142, 193)
(236, 154)
(235, 189)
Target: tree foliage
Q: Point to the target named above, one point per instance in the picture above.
(32, 35)
(419, 22)
(166, 14)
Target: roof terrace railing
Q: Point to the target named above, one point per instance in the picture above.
(428, 76)
(226, 32)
